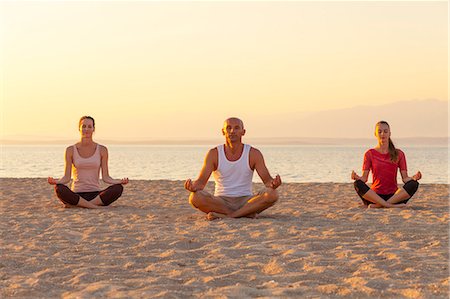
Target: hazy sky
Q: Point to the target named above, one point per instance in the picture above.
(152, 70)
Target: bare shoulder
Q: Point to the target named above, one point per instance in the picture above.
(255, 158)
(255, 153)
(213, 154)
(68, 154)
(103, 149)
(69, 149)
(212, 158)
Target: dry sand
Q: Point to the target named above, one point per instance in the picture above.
(151, 243)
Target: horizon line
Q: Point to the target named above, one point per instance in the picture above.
(205, 141)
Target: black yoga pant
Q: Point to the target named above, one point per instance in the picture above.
(361, 188)
(108, 196)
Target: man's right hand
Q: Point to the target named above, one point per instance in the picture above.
(189, 186)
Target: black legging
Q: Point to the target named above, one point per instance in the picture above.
(108, 196)
(361, 188)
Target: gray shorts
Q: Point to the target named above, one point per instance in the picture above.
(235, 203)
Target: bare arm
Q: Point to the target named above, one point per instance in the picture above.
(209, 165)
(68, 157)
(406, 178)
(257, 162)
(105, 172)
(363, 178)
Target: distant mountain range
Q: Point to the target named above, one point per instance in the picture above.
(407, 119)
(416, 122)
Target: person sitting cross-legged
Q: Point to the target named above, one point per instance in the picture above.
(232, 165)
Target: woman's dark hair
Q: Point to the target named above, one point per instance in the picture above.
(392, 150)
(86, 117)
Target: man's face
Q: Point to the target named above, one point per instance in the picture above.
(233, 130)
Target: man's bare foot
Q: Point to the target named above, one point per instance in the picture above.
(213, 215)
(375, 206)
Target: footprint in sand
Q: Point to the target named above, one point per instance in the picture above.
(314, 269)
(331, 215)
(359, 284)
(328, 233)
(167, 253)
(388, 255)
(410, 293)
(328, 288)
(88, 232)
(406, 214)
(273, 267)
(382, 238)
(356, 217)
(255, 235)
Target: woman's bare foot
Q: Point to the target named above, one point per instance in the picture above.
(67, 206)
(98, 207)
(97, 201)
(82, 203)
(252, 215)
(377, 206)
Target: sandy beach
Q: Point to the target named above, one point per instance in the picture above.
(152, 243)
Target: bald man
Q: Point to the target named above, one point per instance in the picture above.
(232, 165)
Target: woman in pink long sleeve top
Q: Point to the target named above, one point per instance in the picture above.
(384, 160)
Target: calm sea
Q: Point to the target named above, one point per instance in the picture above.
(297, 163)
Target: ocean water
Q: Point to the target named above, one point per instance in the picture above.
(296, 163)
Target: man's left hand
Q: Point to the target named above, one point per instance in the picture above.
(276, 182)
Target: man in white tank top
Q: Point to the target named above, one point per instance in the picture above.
(232, 166)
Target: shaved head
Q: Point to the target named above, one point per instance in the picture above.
(233, 119)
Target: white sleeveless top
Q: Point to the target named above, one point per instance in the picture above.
(233, 178)
(86, 171)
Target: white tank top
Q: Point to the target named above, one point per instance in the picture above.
(86, 171)
(233, 178)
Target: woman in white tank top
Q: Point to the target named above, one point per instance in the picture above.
(85, 160)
